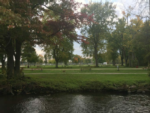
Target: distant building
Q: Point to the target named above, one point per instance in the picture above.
(70, 61)
(104, 63)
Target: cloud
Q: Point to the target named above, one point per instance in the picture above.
(81, 1)
(82, 4)
(77, 49)
(39, 50)
(119, 9)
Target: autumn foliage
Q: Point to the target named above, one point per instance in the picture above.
(24, 21)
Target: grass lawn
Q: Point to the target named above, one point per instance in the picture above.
(69, 79)
(94, 70)
(75, 79)
(119, 78)
(74, 66)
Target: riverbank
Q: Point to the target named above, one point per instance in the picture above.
(53, 83)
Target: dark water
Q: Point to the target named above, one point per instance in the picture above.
(76, 103)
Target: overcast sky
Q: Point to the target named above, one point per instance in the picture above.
(120, 7)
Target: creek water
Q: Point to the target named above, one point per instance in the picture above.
(75, 103)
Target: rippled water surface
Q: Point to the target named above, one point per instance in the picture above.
(76, 103)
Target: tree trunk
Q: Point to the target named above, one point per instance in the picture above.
(17, 58)
(96, 56)
(28, 65)
(122, 52)
(148, 67)
(138, 62)
(121, 60)
(3, 62)
(55, 53)
(130, 56)
(126, 61)
(10, 60)
(114, 63)
(56, 63)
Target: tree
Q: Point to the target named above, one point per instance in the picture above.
(18, 20)
(139, 8)
(29, 54)
(61, 50)
(60, 30)
(112, 47)
(103, 15)
(119, 33)
(145, 40)
(21, 21)
(52, 61)
(40, 58)
(45, 59)
(136, 50)
(77, 59)
(87, 60)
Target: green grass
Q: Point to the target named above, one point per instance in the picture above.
(77, 82)
(94, 70)
(92, 77)
(73, 66)
(74, 79)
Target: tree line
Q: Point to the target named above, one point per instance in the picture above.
(42, 22)
(113, 38)
(51, 24)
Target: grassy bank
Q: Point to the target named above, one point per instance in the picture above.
(54, 80)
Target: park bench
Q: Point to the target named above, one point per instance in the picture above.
(85, 68)
(37, 68)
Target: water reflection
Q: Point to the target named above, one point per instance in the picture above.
(32, 106)
(76, 103)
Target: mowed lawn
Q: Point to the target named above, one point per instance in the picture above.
(93, 70)
(76, 77)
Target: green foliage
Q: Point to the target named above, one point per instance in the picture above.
(61, 50)
(87, 60)
(29, 54)
(103, 15)
(77, 59)
(52, 61)
(145, 40)
(112, 47)
(40, 58)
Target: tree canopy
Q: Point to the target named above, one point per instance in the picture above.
(103, 15)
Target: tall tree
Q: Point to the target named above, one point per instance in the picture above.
(16, 19)
(136, 50)
(21, 21)
(112, 47)
(29, 54)
(145, 40)
(61, 50)
(119, 32)
(103, 15)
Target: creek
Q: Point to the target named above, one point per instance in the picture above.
(75, 103)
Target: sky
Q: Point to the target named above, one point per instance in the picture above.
(120, 4)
